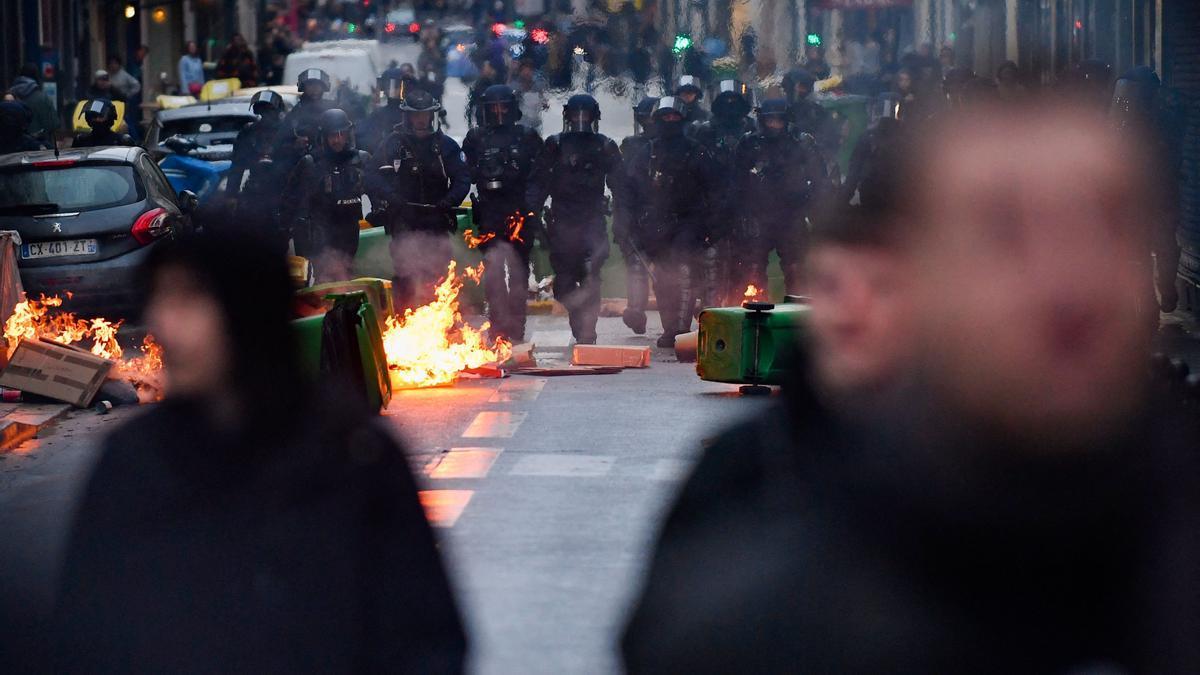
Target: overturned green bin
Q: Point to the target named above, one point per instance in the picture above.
(754, 345)
(345, 344)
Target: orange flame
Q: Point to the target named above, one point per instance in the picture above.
(42, 319)
(512, 225)
(752, 292)
(474, 241)
(431, 345)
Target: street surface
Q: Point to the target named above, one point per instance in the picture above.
(546, 493)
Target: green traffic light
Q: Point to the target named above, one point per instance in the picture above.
(682, 42)
(814, 39)
(519, 23)
(350, 28)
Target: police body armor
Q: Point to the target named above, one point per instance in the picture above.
(421, 178)
(672, 194)
(580, 172)
(264, 177)
(501, 175)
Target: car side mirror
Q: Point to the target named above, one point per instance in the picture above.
(188, 201)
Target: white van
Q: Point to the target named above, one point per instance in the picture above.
(353, 66)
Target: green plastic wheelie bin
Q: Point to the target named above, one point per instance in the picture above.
(365, 347)
(753, 345)
(320, 297)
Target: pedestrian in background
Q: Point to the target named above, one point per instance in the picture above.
(248, 523)
(123, 83)
(238, 61)
(27, 88)
(191, 70)
(101, 87)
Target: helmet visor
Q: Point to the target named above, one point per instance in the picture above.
(579, 121)
(497, 114)
(420, 122)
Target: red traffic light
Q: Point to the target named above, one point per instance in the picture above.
(540, 35)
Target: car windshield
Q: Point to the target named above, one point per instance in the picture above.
(30, 190)
(205, 125)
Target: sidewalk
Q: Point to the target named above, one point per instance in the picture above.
(20, 422)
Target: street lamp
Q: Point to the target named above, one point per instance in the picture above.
(130, 11)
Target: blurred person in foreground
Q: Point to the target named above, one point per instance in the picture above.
(1026, 500)
(751, 478)
(248, 523)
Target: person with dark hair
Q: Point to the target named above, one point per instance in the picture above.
(14, 122)
(871, 163)
(238, 61)
(1026, 488)
(248, 522)
(191, 70)
(27, 88)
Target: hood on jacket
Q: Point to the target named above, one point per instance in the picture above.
(23, 86)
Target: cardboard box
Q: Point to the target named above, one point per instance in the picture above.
(61, 372)
(605, 355)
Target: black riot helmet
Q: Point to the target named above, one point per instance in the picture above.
(688, 84)
(668, 117)
(266, 103)
(393, 84)
(581, 114)
(99, 113)
(733, 100)
(773, 117)
(498, 106)
(643, 113)
(420, 113)
(333, 123)
(310, 77)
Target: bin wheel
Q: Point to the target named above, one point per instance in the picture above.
(754, 390)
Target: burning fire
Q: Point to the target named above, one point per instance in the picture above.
(752, 292)
(512, 226)
(432, 345)
(43, 318)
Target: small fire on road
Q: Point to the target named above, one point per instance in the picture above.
(432, 345)
(752, 292)
(44, 318)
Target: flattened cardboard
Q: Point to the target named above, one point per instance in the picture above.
(61, 372)
(606, 355)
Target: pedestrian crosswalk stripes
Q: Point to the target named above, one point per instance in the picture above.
(463, 463)
(495, 424)
(443, 507)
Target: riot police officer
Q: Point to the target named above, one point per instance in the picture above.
(417, 177)
(637, 274)
(720, 135)
(687, 95)
(329, 206)
(779, 179)
(500, 154)
(379, 124)
(669, 183)
(14, 126)
(101, 115)
(806, 116)
(254, 181)
(572, 171)
(299, 131)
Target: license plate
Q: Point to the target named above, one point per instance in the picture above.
(55, 249)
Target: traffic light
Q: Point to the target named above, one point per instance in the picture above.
(682, 42)
(518, 23)
(351, 28)
(814, 39)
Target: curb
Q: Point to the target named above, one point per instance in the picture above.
(27, 422)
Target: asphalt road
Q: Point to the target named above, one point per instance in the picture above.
(546, 493)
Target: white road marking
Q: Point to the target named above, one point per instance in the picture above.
(495, 424)
(443, 507)
(551, 338)
(518, 389)
(463, 463)
(563, 465)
